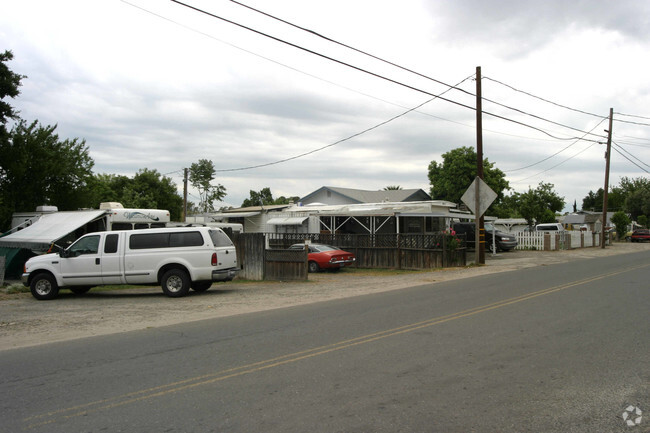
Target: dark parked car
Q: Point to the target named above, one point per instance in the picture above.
(504, 241)
(640, 235)
(325, 257)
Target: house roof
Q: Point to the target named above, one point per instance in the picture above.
(366, 196)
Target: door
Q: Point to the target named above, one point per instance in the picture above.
(81, 265)
(112, 260)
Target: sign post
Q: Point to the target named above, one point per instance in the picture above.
(478, 197)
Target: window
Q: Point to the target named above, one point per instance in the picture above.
(220, 239)
(110, 244)
(122, 226)
(152, 240)
(186, 239)
(140, 241)
(85, 245)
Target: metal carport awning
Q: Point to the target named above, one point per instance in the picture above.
(50, 228)
(289, 221)
(234, 214)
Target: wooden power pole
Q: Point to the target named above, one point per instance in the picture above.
(185, 171)
(479, 246)
(607, 157)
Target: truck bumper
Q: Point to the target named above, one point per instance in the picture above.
(24, 278)
(224, 274)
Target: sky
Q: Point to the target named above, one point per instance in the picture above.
(157, 84)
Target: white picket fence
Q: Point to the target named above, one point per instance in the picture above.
(557, 241)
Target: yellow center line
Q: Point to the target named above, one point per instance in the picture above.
(207, 379)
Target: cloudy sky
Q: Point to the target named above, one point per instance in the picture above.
(155, 84)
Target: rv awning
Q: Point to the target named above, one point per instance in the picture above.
(291, 221)
(49, 228)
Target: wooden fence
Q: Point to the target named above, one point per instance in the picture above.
(261, 255)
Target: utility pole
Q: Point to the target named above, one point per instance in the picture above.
(479, 246)
(185, 171)
(607, 157)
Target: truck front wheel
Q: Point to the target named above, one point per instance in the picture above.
(43, 287)
(175, 283)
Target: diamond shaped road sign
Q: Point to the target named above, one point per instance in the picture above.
(485, 193)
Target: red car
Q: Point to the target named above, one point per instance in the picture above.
(640, 235)
(325, 257)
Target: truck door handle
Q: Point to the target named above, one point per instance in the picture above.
(97, 261)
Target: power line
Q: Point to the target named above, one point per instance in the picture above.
(557, 165)
(544, 100)
(344, 139)
(402, 67)
(368, 72)
(624, 156)
(556, 153)
(621, 147)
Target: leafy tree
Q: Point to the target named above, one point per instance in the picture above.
(259, 198)
(148, 189)
(37, 168)
(9, 84)
(538, 205)
(621, 221)
(264, 197)
(450, 178)
(642, 220)
(202, 174)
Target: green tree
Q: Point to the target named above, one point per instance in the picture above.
(202, 174)
(643, 221)
(264, 197)
(9, 87)
(259, 198)
(147, 189)
(621, 221)
(538, 205)
(38, 168)
(450, 178)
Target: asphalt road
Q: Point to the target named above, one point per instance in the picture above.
(560, 348)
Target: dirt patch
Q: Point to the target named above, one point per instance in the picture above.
(25, 321)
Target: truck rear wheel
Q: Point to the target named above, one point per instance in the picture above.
(175, 283)
(43, 287)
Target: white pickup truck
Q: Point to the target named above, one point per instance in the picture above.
(175, 258)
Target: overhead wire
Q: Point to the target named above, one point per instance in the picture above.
(344, 139)
(624, 156)
(407, 69)
(623, 149)
(556, 165)
(556, 153)
(366, 71)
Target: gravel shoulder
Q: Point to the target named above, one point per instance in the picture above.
(25, 321)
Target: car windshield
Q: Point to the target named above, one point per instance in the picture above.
(489, 227)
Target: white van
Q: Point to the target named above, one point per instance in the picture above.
(549, 227)
(175, 258)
